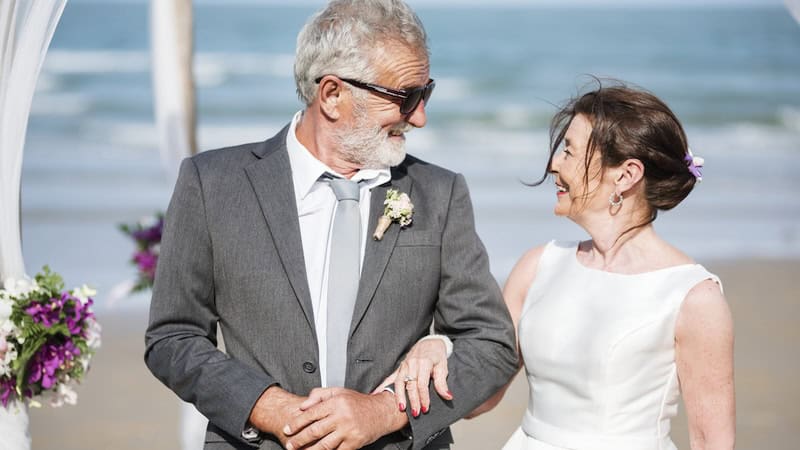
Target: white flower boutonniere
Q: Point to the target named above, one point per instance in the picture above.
(398, 208)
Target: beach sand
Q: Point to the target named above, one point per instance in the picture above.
(123, 407)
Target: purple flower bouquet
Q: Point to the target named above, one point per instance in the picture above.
(147, 235)
(47, 338)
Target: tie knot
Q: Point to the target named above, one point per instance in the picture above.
(344, 189)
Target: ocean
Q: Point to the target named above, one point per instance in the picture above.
(731, 74)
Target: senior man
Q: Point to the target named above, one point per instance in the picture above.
(274, 242)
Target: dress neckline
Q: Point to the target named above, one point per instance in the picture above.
(574, 255)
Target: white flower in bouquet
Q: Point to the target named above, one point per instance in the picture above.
(63, 395)
(83, 293)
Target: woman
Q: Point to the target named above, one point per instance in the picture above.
(613, 329)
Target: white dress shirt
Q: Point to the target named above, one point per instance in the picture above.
(316, 204)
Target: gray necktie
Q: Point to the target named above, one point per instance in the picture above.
(343, 276)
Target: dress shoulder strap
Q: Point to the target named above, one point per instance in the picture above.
(680, 281)
(556, 257)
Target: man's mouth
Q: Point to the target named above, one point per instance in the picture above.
(400, 131)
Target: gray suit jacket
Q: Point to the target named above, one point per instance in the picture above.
(231, 254)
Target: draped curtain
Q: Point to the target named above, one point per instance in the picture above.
(26, 28)
(794, 8)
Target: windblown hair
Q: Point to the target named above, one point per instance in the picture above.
(340, 40)
(630, 123)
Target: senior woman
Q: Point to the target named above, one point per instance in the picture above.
(614, 329)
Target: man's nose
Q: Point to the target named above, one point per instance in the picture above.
(417, 117)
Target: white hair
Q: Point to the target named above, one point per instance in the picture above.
(338, 40)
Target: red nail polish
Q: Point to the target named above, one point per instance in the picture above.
(449, 394)
(402, 407)
(414, 413)
(424, 410)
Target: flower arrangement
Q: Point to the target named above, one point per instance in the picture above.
(47, 338)
(397, 208)
(147, 235)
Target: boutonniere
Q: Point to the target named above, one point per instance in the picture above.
(397, 208)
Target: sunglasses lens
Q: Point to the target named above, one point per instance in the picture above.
(410, 103)
(428, 92)
(415, 96)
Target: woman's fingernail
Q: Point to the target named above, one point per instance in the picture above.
(424, 410)
(402, 407)
(449, 394)
(414, 413)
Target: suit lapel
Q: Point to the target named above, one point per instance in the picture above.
(377, 253)
(271, 178)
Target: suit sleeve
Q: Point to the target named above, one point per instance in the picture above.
(470, 310)
(181, 342)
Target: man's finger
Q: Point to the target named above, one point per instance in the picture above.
(311, 434)
(306, 419)
(318, 395)
(332, 440)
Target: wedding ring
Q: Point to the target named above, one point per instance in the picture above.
(408, 379)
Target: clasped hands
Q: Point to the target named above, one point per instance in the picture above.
(339, 418)
(329, 418)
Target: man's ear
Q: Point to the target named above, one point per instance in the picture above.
(628, 174)
(330, 96)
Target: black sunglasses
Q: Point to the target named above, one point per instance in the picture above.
(410, 97)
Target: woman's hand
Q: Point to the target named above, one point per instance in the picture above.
(427, 359)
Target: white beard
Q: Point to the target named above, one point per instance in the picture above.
(368, 146)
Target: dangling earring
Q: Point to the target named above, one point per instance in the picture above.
(615, 199)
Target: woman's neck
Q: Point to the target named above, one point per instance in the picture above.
(619, 242)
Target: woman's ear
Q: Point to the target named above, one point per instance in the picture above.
(330, 96)
(629, 173)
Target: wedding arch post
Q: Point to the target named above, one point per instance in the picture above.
(172, 45)
(26, 29)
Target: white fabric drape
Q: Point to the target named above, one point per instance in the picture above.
(794, 8)
(26, 28)
(174, 101)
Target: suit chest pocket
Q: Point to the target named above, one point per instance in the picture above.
(419, 238)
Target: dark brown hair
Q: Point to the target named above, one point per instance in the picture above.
(629, 123)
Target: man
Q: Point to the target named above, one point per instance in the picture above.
(261, 240)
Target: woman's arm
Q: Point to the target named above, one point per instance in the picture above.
(428, 359)
(704, 356)
(514, 293)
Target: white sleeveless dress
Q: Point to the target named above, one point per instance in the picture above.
(599, 353)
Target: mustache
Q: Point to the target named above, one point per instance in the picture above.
(402, 128)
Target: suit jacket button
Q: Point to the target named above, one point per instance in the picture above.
(309, 367)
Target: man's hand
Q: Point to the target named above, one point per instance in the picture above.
(343, 419)
(274, 409)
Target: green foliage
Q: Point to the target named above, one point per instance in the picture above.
(50, 281)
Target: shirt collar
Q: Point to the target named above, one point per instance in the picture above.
(307, 169)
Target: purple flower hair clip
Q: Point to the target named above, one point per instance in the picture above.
(695, 163)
